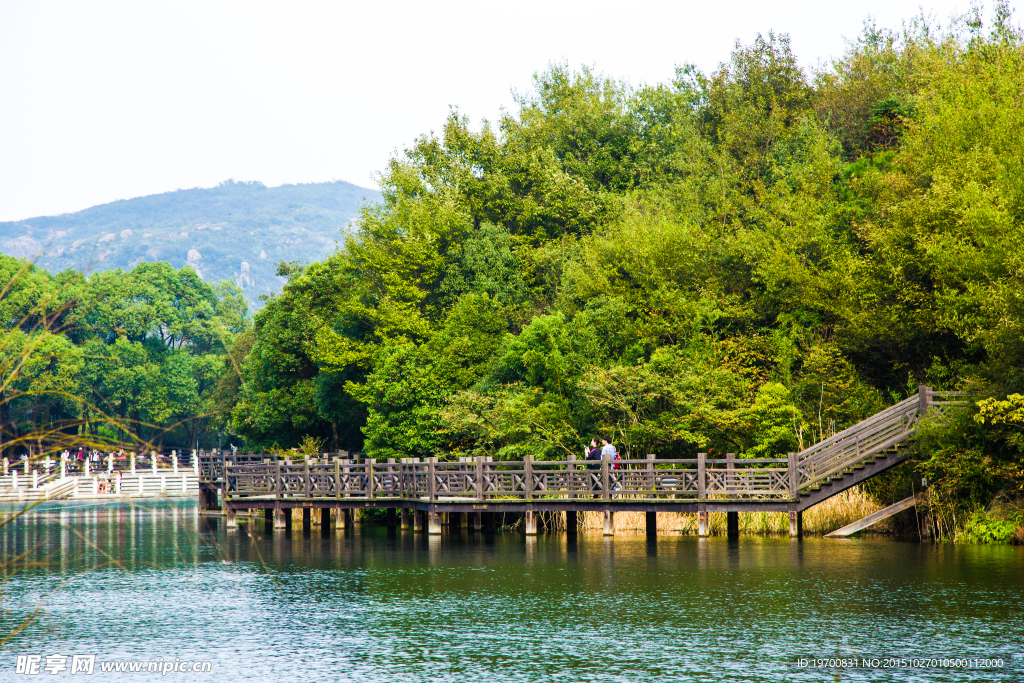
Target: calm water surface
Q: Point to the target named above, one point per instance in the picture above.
(161, 581)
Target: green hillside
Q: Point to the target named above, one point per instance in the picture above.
(237, 231)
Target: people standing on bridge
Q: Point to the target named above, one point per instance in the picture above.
(608, 449)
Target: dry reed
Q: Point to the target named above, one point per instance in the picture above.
(829, 515)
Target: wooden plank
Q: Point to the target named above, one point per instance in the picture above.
(875, 517)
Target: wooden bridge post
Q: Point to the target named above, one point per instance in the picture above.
(268, 521)
(528, 483)
(794, 478)
(796, 523)
(651, 526)
(432, 481)
(433, 521)
(307, 520)
(278, 484)
(305, 476)
(478, 521)
(479, 479)
(570, 466)
(405, 519)
(606, 488)
(232, 519)
(370, 462)
(339, 518)
(337, 477)
(571, 522)
(417, 520)
(391, 518)
(609, 522)
(530, 520)
(922, 394)
(350, 522)
(649, 480)
(702, 495)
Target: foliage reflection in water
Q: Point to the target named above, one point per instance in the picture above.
(374, 605)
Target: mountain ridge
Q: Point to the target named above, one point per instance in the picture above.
(235, 230)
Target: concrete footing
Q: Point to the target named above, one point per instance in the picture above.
(796, 524)
(530, 522)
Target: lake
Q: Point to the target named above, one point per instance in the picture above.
(160, 583)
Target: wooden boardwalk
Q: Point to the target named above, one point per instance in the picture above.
(430, 487)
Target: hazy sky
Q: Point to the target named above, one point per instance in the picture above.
(110, 100)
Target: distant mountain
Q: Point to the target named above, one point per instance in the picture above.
(237, 231)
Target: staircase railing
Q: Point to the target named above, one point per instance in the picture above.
(867, 439)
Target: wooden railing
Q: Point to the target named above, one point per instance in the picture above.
(259, 475)
(870, 438)
(481, 479)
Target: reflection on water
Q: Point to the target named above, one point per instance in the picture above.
(161, 581)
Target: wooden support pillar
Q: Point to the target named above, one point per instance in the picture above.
(796, 524)
(530, 522)
(391, 518)
(268, 521)
(571, 522)
(307, 520)
(405, 519)
(281, 518)
(478, 521)
(325, 522)
(609, 522)
(702, 524)
(418, 520)
(652, 524)
(339, 518)
(732, 524)
(455, 520)
(232, 519)
(433, 523)
(350, 519)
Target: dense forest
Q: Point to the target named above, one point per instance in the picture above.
(116, 359)
(744, 260)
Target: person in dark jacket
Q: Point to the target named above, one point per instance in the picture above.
(594, 456)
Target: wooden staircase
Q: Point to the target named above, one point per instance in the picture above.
(868, 447)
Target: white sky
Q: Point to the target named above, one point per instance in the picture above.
(109, 100)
